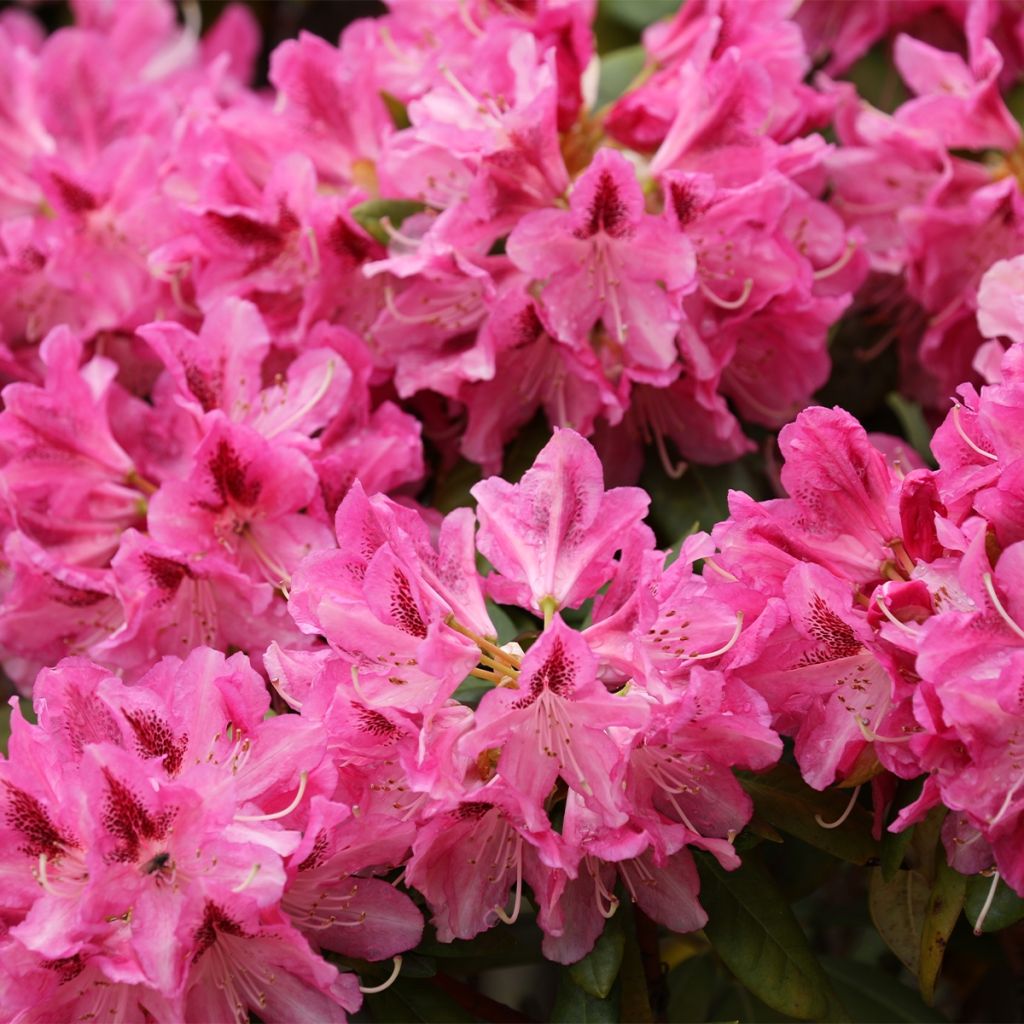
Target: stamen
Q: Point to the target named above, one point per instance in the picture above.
(249, 879)
(287, 698)
(139, 482)
(820, 275)
(842, 817)
(601, 894)
(488, 676)
(517, 903)
(499, 666)
(730, 304)
(43, 880)
(674, 470)
(906, 562)
(721, 572)
(397, 236)
(885, 610)
(370, 990)
(310, 405)
(868, 732)
(728, 646)
(1008, 799)
(963, 434)
(483, 643)
(987, 905)
(355, 685)
(303, 779)
(466, 20)
(990, 589)
(314, 251)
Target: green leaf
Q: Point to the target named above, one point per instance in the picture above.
(503, 623)
(783, 799)
(700, 496)
(396, 110)
(574, 1005)
(898, 909)
(597, 971)
(412, 1001)
(912, 420)
(451, 491)
(874, 997)
(1007, 907)
(894, 848)
(753, 930)
(370, 214)
(895, 844)
(498, 947)
(471, 690)
(618, 71)
(25, 706)
(691, 990)
(638, 14)
(944, 906)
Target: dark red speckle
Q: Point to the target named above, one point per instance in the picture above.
(607, 213)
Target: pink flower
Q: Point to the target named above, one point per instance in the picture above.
(243, 497)
(606, 260)
(552, 536)
(556, 722)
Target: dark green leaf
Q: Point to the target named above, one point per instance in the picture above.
(412, 1001)
(370, 214)
(507, 629)
(618, 70)
(24, 705)
(912, 420)
(782, 798)
(1007, 907)
(502, 946)
(898, 908)
(574, 1005)
(471, 690)
(691, 989)
(944, 906)
(894, 844)
(396, 110)
(700, 498)
(894, 847)
(753, 930)
(873, 997)
(452, 490)
(597, 971)
(638, 14)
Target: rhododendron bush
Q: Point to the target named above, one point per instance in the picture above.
(513, 512)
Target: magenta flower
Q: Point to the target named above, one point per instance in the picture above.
(552, 536)
(606, 260)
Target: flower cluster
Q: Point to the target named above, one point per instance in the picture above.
(174, 851)
(899, 617)
(439, 186)
(935, 186)
(288, 716)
